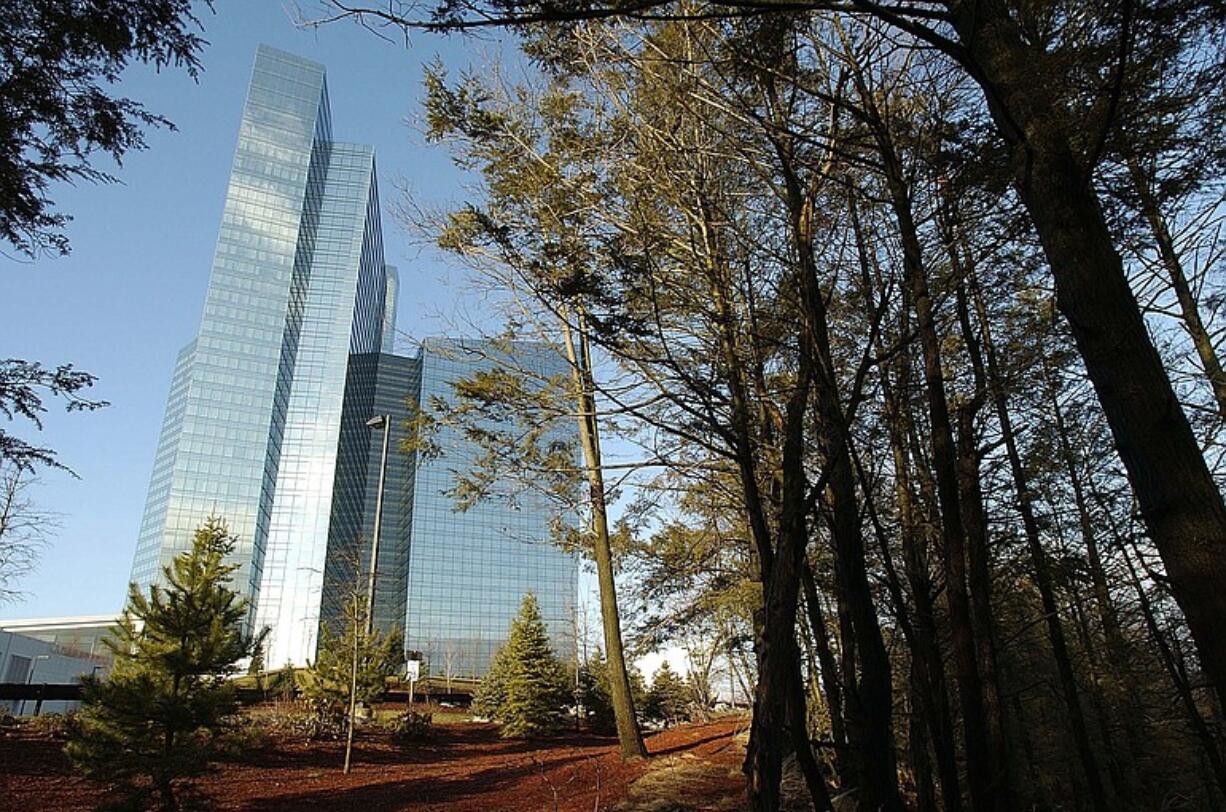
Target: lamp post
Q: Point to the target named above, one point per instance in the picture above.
(383, 421)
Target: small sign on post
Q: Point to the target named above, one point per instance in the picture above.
(414, 673)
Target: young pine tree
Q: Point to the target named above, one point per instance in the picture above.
(331, 677)
(352, 667)
(669, 699)
(596, 693)
(154, 717)
(526, 688)
(283, 684)
(491, 693)
(256, 668)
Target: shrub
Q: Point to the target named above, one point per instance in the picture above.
(299, 721)
(283, 684)
(241, 736)
(311, 721)
(58, 726)
(410, 727)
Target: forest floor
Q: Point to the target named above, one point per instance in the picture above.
(465, 767)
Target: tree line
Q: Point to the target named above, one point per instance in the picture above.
(915, 307)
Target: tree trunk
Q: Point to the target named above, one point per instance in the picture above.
(830, 680)
(917, 747)
(1117, 648)
(985, 780)
(353, 686)
(1206, 736)
(1179, 501)
(974, 516)
(983, 777)
(778, 659)
(927, 663)
(1118, 758)
(798, 724)
(868, 702)
(628, 734)
(1042, 574)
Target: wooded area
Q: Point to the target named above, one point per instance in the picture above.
(916, 307)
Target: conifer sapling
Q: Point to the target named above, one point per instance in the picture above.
(154, 718)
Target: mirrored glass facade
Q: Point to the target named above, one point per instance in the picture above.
(266, 420)
(385, 385)
(451, 581)
(469, 571)
(253, 419)
(389, 310)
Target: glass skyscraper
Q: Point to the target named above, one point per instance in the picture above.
(450, 580)
(468, 571)
(297, 284)
(265, 424)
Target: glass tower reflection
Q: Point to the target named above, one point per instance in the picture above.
(468, 571)
(253, 420)
(265, 423)
(450, 581)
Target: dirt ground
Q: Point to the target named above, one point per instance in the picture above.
(465, 768)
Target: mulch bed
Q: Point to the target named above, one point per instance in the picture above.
(464, 768)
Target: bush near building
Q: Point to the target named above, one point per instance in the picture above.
(375, 657)
(410, 727)
(526, 690)
(283, 684)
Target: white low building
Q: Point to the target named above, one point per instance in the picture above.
(52, 651)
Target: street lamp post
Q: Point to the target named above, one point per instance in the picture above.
(384, 422)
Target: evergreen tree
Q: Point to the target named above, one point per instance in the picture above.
(328, 681)
(61, 63)
(526, 688)
(669, 699)
(596, 695)
(154, 717)
(256, 667)
(491, 693)
(352, 667)
(283, 684)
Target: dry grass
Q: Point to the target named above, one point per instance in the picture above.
(682, 783)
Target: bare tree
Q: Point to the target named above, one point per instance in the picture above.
(24, 528)
(450, 656)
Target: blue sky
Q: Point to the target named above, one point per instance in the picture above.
(130, 294)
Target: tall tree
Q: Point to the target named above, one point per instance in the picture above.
(798, 242)
(1051, 81)
(578, 354)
